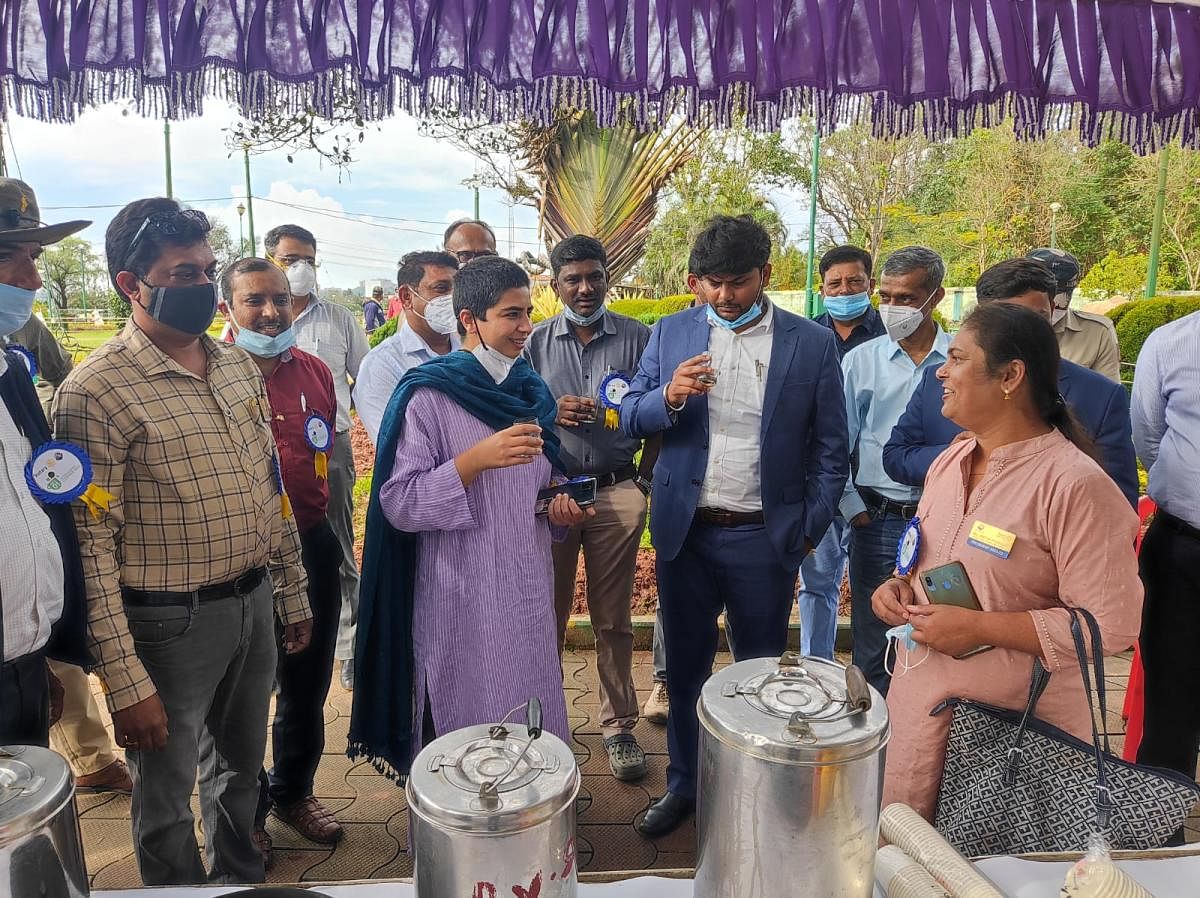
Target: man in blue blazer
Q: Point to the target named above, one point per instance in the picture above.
(748, 398)
(1101, 405)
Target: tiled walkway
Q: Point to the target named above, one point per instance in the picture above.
(373, 811)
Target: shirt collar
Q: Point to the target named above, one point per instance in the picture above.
(412, 343)
(762, 326)
(152, 359)
(1070, 321)
(313, 302)
(560, 327)
(941, 344)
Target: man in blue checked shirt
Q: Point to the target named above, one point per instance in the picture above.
(880, 377)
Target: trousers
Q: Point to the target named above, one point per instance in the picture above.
(872, 560)
(24, 701)
(80, 735)
(820, 589)
(340, 515)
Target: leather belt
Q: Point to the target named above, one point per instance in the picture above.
(1177, 524)
(881, 504)
(620, 475)
(720, 517)
(243, 585)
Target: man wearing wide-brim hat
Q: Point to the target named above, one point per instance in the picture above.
(42, 604)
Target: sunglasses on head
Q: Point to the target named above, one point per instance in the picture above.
(170, 223)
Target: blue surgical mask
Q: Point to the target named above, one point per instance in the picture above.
(16, 305)
(745, 318)
(583, 320)
(902, 635)
(263, 346)
(847, 308)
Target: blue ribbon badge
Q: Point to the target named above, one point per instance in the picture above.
(319, 436)
(58, 473)
(612, 390)
(28, 358)
(909, 547)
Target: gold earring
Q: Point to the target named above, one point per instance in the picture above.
(1006, 394)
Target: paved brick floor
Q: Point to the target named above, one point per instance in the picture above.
(373, 810)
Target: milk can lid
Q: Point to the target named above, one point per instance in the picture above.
(34, 785)
(491, 778)
(795, 710)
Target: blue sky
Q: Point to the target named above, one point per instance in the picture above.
(398, 196)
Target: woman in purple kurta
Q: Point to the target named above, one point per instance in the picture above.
(483, 606)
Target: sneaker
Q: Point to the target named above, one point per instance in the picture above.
(625, 757)
(347, 675)
(657, 705)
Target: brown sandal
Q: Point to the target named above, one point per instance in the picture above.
(312, 820)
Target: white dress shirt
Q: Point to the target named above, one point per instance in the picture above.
(332, 334)
(382, 369)
(31, 577)
(735, 403)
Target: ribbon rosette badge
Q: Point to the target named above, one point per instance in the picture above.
(319, 436)
(61, 472)
(612, 390)
(27, 357)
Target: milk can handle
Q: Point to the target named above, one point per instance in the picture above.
(533, 718)
(858, 693)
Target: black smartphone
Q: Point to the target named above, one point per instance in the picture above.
(581, 489)
(950, 585)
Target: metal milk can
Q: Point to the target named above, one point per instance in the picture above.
(41, 852)
(493, 813)
(790, 780)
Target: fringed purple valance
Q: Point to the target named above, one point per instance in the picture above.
(1125, 69)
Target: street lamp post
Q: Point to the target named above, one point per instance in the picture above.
(249, 198)
(241, 210)
(1055, 208)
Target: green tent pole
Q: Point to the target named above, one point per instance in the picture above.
(1156, 231)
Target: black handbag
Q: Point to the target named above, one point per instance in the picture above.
(1013, 784)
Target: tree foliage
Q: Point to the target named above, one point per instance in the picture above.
(73, 275)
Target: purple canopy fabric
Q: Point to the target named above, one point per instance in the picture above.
(1126, 69)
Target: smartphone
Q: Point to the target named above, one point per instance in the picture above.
(581, 489)
(950, 585)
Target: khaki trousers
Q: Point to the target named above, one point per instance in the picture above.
(610, 545)
(80, 735)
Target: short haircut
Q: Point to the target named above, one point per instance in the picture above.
(911, 258)
(479, 286)
(287, 230)
(577, 248)
(466, 221)
(730, 245)
(1013, 277)
(842, 254)
(413, 265)
(247, 265)
(127, 224)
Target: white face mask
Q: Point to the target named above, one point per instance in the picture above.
(494, 362)
(902, 321)
(439, 314)
(302, 278)
(1062, 302)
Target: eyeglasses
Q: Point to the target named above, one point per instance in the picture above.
(289, 261)
(170, 223)
(466, 255)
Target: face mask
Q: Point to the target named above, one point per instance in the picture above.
(1062, 302)
(302, 278)
(263, 346)
(847, 308)
(187, 309)
(16, 305)
(494, 362)
(439, 314)
(902, 321)
(745, 318)
(583, 320)
(903, 635)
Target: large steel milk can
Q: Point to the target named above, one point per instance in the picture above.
(41, 852)
(790, 780)
(493, 813)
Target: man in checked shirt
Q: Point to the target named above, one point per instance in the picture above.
(179, 594)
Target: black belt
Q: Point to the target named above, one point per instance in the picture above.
(620, 475)
(243, 585)
(881, 504)
(1177, 524)
(721, 517)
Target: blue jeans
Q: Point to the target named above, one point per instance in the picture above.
(872, 560)
(821, 583)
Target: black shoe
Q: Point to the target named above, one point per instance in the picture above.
(665, 815)
(347, 675)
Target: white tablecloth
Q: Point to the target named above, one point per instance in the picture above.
(1165, 878)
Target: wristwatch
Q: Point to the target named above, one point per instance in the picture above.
(642, 484)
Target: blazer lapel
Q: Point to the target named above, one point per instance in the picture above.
(697, 342)
(783, 348)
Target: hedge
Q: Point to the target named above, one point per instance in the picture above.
(383, 332)
(1139, 318)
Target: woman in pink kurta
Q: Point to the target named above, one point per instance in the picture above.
(1018, 471)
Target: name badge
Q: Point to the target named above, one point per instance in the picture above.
(991, 539)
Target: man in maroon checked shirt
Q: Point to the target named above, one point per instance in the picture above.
(303, 414)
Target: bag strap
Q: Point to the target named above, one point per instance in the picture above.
(1038, 681)
(1103, 799)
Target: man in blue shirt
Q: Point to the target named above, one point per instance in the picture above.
(1100, 404)
(1166, 432)
(846, 288)
(880, 377)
